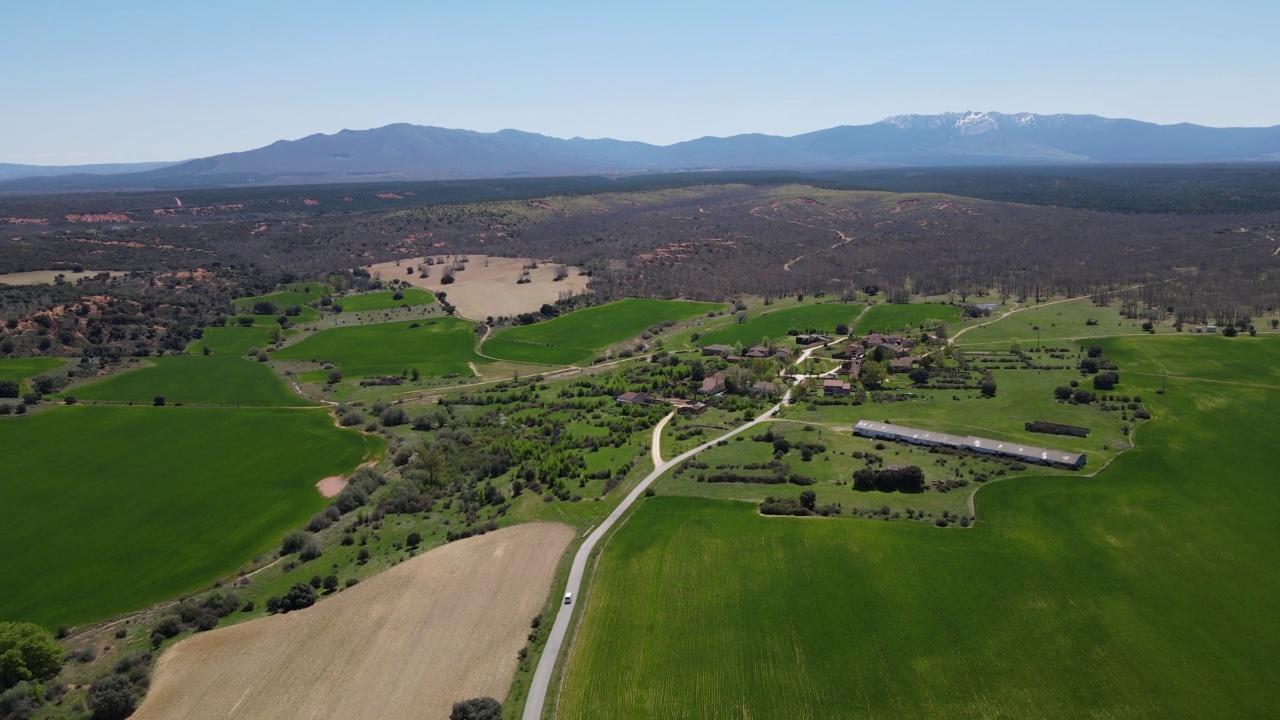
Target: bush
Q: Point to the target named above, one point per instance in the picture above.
(483, 708)
(9, 389)
(310, 550)
(111, 698)
(1106, 380)
(300, 596)
(293, 541)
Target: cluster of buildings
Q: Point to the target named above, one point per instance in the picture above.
(1017, 451)
(755, 352)
(896, 348)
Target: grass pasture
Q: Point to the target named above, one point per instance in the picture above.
(384, 299)
(884, 318)
(435, 347)
(127, 506)
(775, 324)
(580, 334)
(21, 368)
(295, 294)
(196, 379)
(1145, 591)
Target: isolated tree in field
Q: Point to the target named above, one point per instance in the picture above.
(919, 376)
(159, 401)
(483, 708)
(27, 652)
(1095, 351)
(988, 386)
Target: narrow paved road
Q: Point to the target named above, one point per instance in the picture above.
(655, 447)
(537, 699)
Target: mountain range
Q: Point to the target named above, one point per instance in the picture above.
(413, 152)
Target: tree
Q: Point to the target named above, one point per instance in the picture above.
(111, 698)
(335, 377)
(872, 374)
(9, 389)
(27, 652)
(1106, 380)
(1095, 351)
(808, 500)
(988, 386)
(1062, 392)
(482, 708)
(159, 401)
(919, 375)
(414, 540)
(1229, 331)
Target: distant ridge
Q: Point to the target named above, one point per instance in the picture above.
(956, 139)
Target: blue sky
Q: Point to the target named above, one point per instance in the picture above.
(126, 80)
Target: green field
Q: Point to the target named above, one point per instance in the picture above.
(384, 300)
(576, 337)
(232, 340)
(1057, 321)
(295, 294)
(774, 325)
(122, 507)
(435, 347)
(197, 379)
(884, 318)
(21, 368)
(1146, 591)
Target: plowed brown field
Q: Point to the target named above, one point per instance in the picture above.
(410, 642)
(483, 291)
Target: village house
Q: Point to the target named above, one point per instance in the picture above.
(767, 389)
(758, 352)
(720, 350)
(832, 387)
(632, 398)
(712, 385)
(902, 364)
(812, 339)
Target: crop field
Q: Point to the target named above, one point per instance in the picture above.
(385, 299)
(231, 340)
(524, 352)
(883, 318)
(774, 325)
(435, 347)
(196, 379)
(1145, 591)
(21, 368)
(456, 615)
(127, 506)
(580, 334)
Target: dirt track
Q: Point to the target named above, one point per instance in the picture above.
(480, 292)
(410, 642)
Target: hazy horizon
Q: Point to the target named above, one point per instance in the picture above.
(145, 81)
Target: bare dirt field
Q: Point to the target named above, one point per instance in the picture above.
(442, 627)
(332, 485)
(480, 292)
(38, 277)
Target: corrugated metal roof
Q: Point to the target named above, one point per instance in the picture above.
(1028, 452)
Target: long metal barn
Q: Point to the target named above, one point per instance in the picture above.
(1026, 453)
